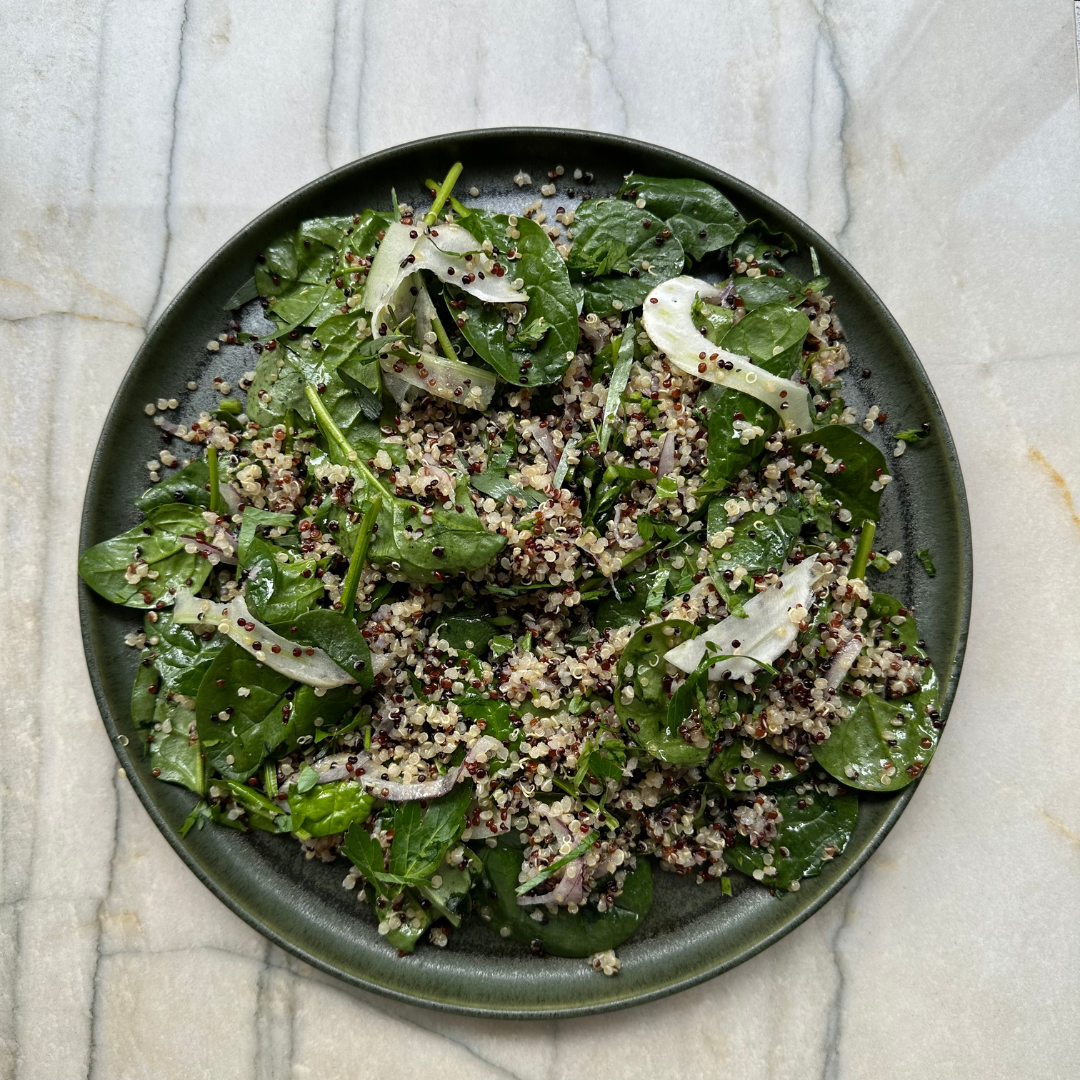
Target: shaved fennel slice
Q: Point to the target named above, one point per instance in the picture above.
(364, 769)
(316, 669)
(386, 272)
(449, 379)
(466, 273)
(766, 632)
(402, 254)
(454, 239)
(843, 659)
(668, 318)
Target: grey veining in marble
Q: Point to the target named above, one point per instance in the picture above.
(937, 142)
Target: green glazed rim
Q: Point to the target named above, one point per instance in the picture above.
(693, 933)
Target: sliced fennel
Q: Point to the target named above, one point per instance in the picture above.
(766, 632)
(441, 250)
(668, 319)
(233, 619)
(450, 379)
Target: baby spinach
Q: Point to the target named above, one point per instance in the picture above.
(770, 336)
(495, 712)
(702, 219)
(159, 542)
(862, 464)
(465, 631)
(551, 298)
(237, 730)
(191, 484)
(454, 540)
(328, 809)
(606, 228)
(423, 836)
(761, 542)
(277, 590)
(732, 769)
(493, 481)
(642, 668)
(562, 934)
(878, 732)
(450, 897)
(337, 636)
(277, 389)
(816, 827)
(255, 519)
(180, 655)
(174, 749)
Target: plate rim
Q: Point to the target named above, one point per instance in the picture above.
(142, 790)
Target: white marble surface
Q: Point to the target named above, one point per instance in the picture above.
(937, 141)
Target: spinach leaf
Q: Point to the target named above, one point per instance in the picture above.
(816, 827)
(191, 484)
(862, 464)
(562, 934)
(773, 337)
(455, 540)
(255, 519)
(927, 562)
(180, 655)
(329, 808)
(237, 730)
(277, 388)
(551, 298)
(175, 754)
(702, 219)
(144, 692)
(761, 542)
(604, 227)
(616, 482)
(300, 271)
(451, 896)
(879, 733)
(340, 401)
(495, 712)
(159, 543)
(337, 636)
(260, 812)
(366, 854)
(422, 837)
(629, 606)
(735, 771)
(768, 336)
(493, 480)
(465, 631)
(642, 668)
(279, 591)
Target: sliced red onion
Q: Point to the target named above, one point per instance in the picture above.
(842, 660)
(667, 456)
(765, 632)
(543, 436)
(209, 549)
(669, 322)
(315, 669)
(231, 494)
(338, 767)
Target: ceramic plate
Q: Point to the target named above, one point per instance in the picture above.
(693, 932)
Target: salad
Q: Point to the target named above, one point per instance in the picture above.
(536, 556)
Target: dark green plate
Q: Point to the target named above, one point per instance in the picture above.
(693, 932)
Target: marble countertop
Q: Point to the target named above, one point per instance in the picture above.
(937, 143)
